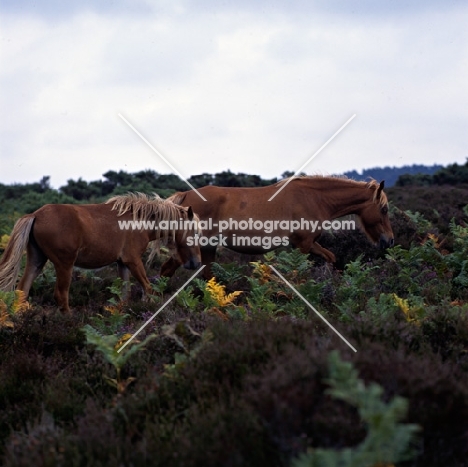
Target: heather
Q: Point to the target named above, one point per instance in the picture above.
(239, 370)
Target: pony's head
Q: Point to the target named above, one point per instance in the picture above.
(374, 217)
(183, 245)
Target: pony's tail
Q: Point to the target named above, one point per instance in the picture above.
(11, 260)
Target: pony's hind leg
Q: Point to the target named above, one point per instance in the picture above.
(35, 262)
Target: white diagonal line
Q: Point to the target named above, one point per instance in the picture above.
(317, 152)
(161, 156)
(309, 305)
(160, 309)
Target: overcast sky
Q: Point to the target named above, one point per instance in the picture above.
(254, 87)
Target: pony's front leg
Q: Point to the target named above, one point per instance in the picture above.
(208, 256)
(124, 274)
(327, 255)
(62, 285)
(307, 245)
(170, 267)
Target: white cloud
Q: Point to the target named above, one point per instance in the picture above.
(240, 90)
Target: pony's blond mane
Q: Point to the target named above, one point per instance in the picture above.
(371, 184)
(145, 207)
(178, 197)
(374, 185)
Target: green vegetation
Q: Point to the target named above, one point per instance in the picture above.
(387, 440)
(238, 370)
(111, 347)
(20, 199)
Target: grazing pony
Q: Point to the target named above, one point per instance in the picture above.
(313, 198)
(90, 236)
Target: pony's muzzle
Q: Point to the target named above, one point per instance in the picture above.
(192, 263)
(386, 242)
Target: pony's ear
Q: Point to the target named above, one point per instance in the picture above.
(190, 213)
(380, 189)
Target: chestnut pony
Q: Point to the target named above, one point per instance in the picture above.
(316, 198)
(89, 236)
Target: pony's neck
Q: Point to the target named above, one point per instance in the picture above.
(343, 197)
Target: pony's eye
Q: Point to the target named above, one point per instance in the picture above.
(384, 210)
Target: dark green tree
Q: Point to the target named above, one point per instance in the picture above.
(203, 179)
(80, 190)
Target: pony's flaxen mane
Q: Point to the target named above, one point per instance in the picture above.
(143, 207)
(374, 185)
(146, 207)
(178, 197)
(371, 184)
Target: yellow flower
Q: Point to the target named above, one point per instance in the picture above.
(122, 340)
(262, 270)
(11, 303)
(402, 304)
(20, 303)
(113, 310)
(412, 314)
(218, 293)
(435, 240)
(4, 316)
(4, 241)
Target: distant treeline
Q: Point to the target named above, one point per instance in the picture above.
(392, 174)
(23, 198)
(453, 174)
(27, 197)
